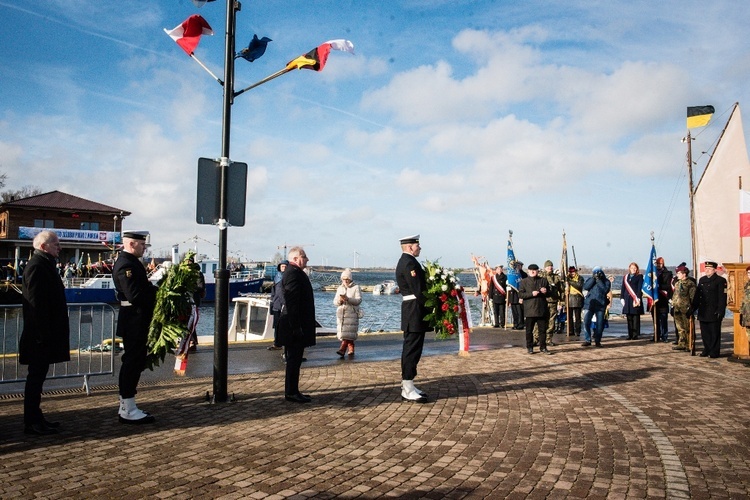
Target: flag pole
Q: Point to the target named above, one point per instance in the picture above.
(741, 259)
(692, 206)
(206, 68)
(656, 299)
(266, 79)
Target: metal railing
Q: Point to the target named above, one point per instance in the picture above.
(92, 342)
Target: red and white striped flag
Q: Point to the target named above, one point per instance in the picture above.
(188, 34)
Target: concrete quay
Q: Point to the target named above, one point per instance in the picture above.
(633, 419)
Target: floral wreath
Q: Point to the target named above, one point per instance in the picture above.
(445, 300)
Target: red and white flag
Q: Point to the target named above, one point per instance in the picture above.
(188, 34)
(744, 214)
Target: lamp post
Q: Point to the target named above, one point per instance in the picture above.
(114, 235)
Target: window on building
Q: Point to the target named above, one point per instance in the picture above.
(46, 223)
(89, 226)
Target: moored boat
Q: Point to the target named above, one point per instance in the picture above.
(388, 287)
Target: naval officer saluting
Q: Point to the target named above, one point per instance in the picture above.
(137, 296)
(411, 281)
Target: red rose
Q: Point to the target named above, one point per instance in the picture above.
(443, 297)
(455, 308)
(444, 307)
(454, 293)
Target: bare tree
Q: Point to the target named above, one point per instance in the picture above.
(17, 194)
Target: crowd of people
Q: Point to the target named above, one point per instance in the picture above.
(540, 304)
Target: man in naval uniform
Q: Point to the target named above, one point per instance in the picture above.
(411, 281)
(710, 301)
(137, 296)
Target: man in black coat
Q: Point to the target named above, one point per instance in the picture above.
(137, 296)
(498, 296)
(661, 310)
(45, 339)
(296, 329)
(710, 302)
(533, 291)
(410, 277)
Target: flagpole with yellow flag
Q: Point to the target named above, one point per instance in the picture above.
(697, 116)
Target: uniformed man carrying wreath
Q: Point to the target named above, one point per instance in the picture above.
(410, 277)
(137, 296)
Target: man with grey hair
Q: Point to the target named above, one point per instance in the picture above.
(45, 339)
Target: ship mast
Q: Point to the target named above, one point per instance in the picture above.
(692, 206)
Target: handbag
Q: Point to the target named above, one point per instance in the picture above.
(360, 313)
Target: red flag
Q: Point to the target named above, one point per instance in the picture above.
(316, 59)
(744, 214)
(188, 34)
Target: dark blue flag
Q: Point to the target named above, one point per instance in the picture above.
(650, 283)
(255, 49)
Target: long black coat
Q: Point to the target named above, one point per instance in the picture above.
(46, 331)
(711, 298)
(636, 284)
(533, 306)
(411, 281)
(297, 320)
(132, 285)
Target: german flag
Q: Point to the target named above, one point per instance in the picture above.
(316, 59)
(698, 116)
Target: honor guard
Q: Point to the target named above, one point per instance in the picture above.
(137, 296)
(410, 277)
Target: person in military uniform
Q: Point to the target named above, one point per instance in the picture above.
(710, 302)
(497, 296)
(45, 338)
(682, 307)
(137, 296)
(555, 291)
(575, 300)
(410, 277)
(533, 291)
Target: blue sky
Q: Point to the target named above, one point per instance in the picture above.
(458, 120)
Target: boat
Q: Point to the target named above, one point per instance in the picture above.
(388, 287)
(252, 319)
(101, 287)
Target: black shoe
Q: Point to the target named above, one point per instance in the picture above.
(530, 350)
(586, 344)
(341, 353)
(713, 357)
(39, 429)
(703, 354)
(598, 344)
(51, 425)
(545, 351)
(551, 344)
(495, 326)
(274, 348)
(297, 398)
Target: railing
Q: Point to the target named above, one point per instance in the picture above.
(92, 342)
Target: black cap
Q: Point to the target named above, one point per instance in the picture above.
(533, 267)
(136, 235)
(710, 263)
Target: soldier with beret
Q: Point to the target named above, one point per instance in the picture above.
(410, 277)
(137, 296)
(710, 302)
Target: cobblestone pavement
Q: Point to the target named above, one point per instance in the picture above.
(633, 419)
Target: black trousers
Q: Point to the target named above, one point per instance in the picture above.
(133, 364)
(542, 322)
(411, 354)
(517, 311)
(499, 313)
(574, 316)
(634, 325)
(294, 354)
(711, 336)
(32, 394)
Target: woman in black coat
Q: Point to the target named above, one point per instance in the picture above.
(45, 339)
(630, 297)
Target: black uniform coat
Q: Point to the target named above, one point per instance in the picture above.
(533, 306)
(664, 278)
(711, 298)
(297, 320)
(411, 281)
(497, 296)
(132, 285)
(46, 331)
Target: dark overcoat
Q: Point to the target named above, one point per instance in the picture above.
(533, 306)
(132, 285)
(711, 298)
(635, 281)
(496, 295)
(411, 280)
(297, 320)
(664, 279)
(46, 332)
(575, 298)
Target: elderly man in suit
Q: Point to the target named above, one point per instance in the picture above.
(45, 339)
(296, 328)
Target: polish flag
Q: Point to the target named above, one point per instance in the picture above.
(744, 214)
(188, 34)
